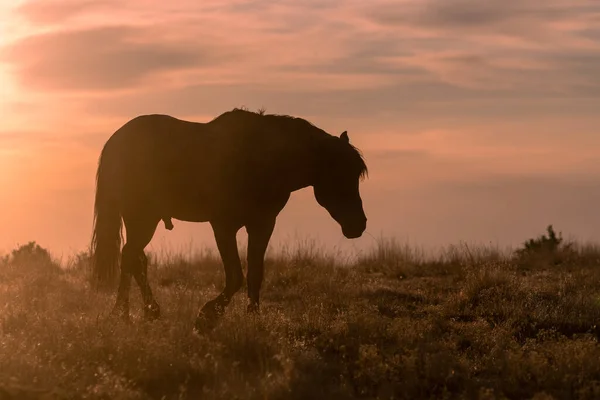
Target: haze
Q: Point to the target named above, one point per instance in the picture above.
(479, 120)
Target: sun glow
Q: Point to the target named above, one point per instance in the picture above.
(9, 30)
(11, 26)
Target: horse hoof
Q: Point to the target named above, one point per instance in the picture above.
(205, 323)
(212, 310)
(152, 312)
(119, 315)
(253, 308)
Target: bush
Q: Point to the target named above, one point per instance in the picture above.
(549, 243)
(30, 254)
(549, 249)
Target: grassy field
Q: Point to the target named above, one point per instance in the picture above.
(467, 323)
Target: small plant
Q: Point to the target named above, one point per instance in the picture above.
(544, 243)
(550, 247)
(30, 254)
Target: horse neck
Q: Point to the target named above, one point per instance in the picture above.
(302, 162)
(321, 152)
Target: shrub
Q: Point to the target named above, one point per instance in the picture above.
(31, 254)
(543, 243)
(549, 249)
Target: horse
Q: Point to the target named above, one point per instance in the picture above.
(238, 170)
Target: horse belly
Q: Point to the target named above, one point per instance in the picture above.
(193, 205)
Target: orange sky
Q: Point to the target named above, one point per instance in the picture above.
(479, 120)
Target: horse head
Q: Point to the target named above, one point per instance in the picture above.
(336, 186)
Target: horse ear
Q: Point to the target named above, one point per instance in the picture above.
(344, 137)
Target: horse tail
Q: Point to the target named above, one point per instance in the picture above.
(107, 231)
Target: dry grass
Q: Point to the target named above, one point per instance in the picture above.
(469, 323)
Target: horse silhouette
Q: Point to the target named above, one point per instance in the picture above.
(235, 171)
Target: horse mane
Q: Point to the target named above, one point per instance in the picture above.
(356, 157)
(244, 112)
(361, 164)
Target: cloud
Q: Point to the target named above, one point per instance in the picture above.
(367, 55)
(49, 12)
(416, 65)
(497, 45)
(267, 42)
(524, 17)
(493, 47)
(101, 58)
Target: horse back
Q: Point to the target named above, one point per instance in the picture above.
(180, 164)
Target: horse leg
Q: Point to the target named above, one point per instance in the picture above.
(259, 234)
(225, 236)
(139, 234)
(121, 308)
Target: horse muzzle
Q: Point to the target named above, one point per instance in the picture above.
(354, 231)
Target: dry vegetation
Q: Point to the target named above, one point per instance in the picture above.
(469, 323)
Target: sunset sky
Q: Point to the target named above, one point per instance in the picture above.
(479, 120)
